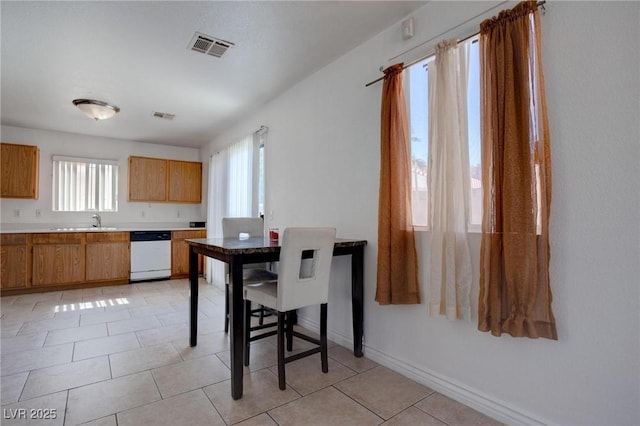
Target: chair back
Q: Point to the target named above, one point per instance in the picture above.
(232, 227)
(304, 281)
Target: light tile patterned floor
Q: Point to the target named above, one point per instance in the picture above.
(120, 355)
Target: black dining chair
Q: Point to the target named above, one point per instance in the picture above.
(233, 227)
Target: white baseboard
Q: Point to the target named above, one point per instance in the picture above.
(346, 341)
(451, 388)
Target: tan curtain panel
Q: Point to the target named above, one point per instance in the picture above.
(515, 294)
(397, 260)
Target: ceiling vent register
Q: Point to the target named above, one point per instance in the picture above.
(164, 115)
(209, 45)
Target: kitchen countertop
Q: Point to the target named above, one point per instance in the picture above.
(36, 228)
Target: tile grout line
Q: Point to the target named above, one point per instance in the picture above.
(426, 412)
(422, 411)
(110, 369)
(360, 404)
(214, 405)
(24, 385)
(153, 376)
(66, 406)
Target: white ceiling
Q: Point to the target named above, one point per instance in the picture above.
(134, 54)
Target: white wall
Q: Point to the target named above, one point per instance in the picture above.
(59, 143)
(322, 169)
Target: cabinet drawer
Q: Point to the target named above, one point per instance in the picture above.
(13, 239)
(181, 235)
(108, 237)
(59, 238)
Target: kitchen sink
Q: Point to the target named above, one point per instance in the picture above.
(85, 229)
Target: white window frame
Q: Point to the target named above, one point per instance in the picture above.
(84, 184)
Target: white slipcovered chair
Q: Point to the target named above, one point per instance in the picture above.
(232, 227)
(303, 280)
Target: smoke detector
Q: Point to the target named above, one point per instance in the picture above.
(209, 45)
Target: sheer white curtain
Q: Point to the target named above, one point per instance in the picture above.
(449, 256)
(240, 178)
(231, 193)
(215, 212)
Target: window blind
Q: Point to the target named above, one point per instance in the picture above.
(84, 184)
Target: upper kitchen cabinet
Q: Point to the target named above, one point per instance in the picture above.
(185, 182)
(160, 180)
(19, 171)
(147, 179)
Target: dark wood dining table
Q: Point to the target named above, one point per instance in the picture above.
(237, 252)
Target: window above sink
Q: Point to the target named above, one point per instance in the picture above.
(84, 184)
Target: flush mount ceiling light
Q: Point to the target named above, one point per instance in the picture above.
(97, 110)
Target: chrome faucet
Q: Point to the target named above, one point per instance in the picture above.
(98, 221)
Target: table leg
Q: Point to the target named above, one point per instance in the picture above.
(193, 306)
(237, 329)
(357, 298)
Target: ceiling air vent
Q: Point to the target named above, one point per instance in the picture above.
(164, 115)
(210, 45)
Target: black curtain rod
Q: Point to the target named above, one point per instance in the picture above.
(540, 4)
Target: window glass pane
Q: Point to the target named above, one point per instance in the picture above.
(419, 130)
(419, 126)
(473, 113)
(84, 185)
(261, 180)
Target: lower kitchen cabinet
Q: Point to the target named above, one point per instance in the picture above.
(180, 252)
(67, 260)
(58, 259)
(108, 256)
(15, 265)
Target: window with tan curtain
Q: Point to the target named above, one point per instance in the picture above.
(515, 293)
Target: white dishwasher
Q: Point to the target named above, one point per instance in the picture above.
(150, 255)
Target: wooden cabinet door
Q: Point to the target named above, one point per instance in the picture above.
(19, 171)
(14, 261)
(147, 179)
(108, 256)
(58, 259)
(185, 181)
(180, 252)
